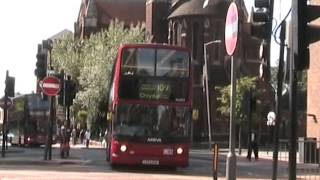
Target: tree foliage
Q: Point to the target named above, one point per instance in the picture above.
(243, 85)
(89, 61)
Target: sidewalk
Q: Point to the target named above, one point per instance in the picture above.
(35, 156)
(261, 168)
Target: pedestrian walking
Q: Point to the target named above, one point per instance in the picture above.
(87, 136)
(74, 136)
(253, 146)
(81, 136)
(64, 142)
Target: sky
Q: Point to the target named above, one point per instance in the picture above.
(24, 24)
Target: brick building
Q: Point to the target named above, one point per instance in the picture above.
(95, 15)
(313, 100)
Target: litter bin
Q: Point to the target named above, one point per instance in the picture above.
(307, 150)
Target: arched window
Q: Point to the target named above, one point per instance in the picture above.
(184, 33)
(175, 33)
(170, 34)
(195, 39)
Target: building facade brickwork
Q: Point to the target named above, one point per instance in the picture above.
(313, 101)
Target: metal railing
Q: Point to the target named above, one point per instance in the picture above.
(308, 157)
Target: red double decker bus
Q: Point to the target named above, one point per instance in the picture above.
(150, 102)
(27, 120)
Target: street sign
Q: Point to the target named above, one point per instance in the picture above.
(50, 86)
(2, 102)
(231, 29)
(271, 118)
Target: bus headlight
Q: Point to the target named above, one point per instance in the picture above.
(179, 150)
(28, 139)
(123, 148)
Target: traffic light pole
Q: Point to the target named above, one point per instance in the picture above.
(4, 124)
(47, 44)
(269, 30)
(278, 103)
(293, 122)
(52, 116)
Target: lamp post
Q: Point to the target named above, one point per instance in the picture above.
(206, 87)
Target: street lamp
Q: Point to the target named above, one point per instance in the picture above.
(271, 122)
(206, 86)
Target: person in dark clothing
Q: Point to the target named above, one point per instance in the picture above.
(253, 146)
(82, 132)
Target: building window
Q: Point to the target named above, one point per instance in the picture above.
(206, 23)
(195, 40)
(179, 33)
(170, 34)
(216, 47)
(184, 33)
(175, 33)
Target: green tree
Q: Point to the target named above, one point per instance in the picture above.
(243, 84)
(89, 61)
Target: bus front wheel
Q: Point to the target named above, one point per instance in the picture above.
(108, 151)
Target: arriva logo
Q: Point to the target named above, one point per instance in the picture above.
(153, 139)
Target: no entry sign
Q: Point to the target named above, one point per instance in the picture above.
(50, 86)
(231, 29)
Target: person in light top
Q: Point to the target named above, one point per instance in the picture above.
(87, 137)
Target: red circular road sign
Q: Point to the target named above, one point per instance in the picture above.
(231, 29)
(50, 86)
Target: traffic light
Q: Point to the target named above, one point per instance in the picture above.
(10, 81)
(261, 28)
(262, 19)
(303, 33)
(70, 91)
(61, 100)
(41, 65)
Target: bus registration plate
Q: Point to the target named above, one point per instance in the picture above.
(168, 151)
(150, 162)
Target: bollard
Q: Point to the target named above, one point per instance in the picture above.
(215, 161)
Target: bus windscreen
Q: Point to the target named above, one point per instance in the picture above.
(154, 74)
(142, 122)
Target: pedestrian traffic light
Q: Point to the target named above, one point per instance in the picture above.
(303, 33)
(262, 19)
(263, 68)
(41, 65)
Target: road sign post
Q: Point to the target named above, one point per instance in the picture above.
(51, 87)
(231, 38)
